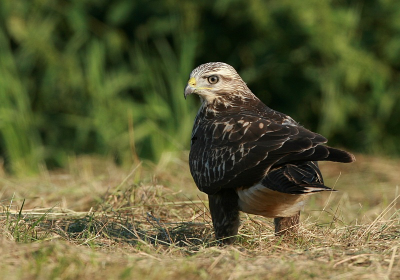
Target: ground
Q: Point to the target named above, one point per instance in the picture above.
(95, 220)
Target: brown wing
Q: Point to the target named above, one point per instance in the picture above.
(238, 151)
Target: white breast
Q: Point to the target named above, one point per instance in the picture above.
(262, 201)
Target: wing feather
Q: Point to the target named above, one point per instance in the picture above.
(239, 150)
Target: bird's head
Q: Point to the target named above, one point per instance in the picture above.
(216, 81)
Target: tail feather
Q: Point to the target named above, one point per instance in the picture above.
(303, 178)
(339, 155)
(317, 153)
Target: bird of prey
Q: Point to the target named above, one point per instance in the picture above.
(247, 157)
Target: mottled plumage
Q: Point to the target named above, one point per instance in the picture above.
(248, 157)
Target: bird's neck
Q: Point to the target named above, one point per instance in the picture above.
(226, 105)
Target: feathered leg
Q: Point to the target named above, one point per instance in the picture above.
(224, 210)
(285, 225)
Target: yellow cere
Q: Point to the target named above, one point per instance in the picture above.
(192, 82)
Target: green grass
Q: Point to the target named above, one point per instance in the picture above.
(71, 83)
(95, 77)
(98, 221)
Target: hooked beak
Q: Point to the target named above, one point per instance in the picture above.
(190, 87)
(189, 90)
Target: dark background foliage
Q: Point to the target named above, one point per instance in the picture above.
(107, 77)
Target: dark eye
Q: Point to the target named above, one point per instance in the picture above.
(213, 79)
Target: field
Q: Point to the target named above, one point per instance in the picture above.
(94, 220)
(106, 79)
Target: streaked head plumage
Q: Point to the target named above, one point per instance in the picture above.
(216, 67)
(215, 80)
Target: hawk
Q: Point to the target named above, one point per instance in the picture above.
(247, 157)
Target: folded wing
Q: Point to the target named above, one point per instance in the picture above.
(240, 150)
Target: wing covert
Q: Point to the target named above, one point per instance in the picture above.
(238, 151)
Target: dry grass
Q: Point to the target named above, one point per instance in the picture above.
(97, 221)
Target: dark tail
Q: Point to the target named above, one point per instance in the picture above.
(339, 155)
(317, 153)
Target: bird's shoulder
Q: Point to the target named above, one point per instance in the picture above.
(254, 124)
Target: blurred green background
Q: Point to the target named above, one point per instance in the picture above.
(107, 77)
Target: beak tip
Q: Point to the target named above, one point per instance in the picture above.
(188, 90)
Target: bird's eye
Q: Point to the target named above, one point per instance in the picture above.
(213, 79)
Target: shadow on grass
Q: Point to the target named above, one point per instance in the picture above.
(152, 231)
(102, 229)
